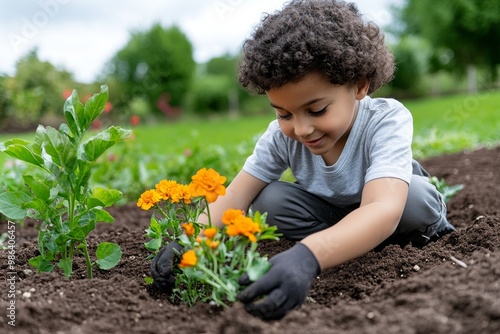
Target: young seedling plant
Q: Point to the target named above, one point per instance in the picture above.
(60, 197)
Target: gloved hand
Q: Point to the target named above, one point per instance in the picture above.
(284, 286)
(162, 265)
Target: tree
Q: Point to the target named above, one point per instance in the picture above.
(469, 28)
(225, 68)
(4, 102)
(410, 55)
(36, 89)
(156, 65)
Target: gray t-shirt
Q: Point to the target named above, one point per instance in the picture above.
(379, 145)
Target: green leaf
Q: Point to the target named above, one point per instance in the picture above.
(66, 266)
(39, 188)
(73, 109)
(95, 146)
(20, 149)
(108, 255)
(154, 230)
(105, 196)
(103, 216)
(85, 224)
(41, 264)
(153, 245)
(95, 106)
(79, 233)
(39, 209)
(257, 217)
(148, 280)
(60, 149)
(258, 268)
(49, 242)
(56, 241)
(72, 126)
(65, 130)
(12, 204)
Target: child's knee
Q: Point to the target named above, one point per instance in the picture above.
(425, 207)
(270, 199)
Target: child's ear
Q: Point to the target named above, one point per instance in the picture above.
(362, 88)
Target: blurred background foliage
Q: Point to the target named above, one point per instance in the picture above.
(441, 48)
(188, 115)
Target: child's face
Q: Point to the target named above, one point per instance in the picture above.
(317, 114)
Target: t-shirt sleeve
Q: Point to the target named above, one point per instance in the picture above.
(389, 151)
(269, 158)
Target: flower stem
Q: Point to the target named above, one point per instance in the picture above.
(218, 283)
(162, 211)
(209, 216)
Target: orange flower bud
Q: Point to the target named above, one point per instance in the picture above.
(188, 229)
(210, 232)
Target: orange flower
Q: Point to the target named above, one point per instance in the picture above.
(148, 199)
(238, 224)
(210, 232)
(180, 192)
(230, 215)
(188, 259)
(188, 228)
(208, 183)
(164, 188)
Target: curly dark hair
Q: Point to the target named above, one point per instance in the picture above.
(324, 36)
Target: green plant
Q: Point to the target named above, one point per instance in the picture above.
(214, 258)
(446, 190)
(61, 198)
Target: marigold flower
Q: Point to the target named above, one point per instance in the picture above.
(208, 183)
(180, 192)
(148, 199)
(231, 215)
(188, 259)
(165, 188)
(188, 228)
(238, 224)
(210, 232)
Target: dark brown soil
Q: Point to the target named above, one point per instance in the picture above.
(396, 290)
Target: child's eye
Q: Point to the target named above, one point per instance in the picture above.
(319, 112)
(286, 116)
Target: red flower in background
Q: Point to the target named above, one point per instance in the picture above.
(67, 93)
(108, 107)
(96, 124)
(135, 120)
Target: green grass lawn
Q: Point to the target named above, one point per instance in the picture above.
(181, 135)
(442, 125)
(454, 123)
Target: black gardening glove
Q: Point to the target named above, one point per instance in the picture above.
(163, 263)
(284, 286)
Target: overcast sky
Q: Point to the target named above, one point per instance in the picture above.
(81, 35)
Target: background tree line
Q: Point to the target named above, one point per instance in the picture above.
(440, 47)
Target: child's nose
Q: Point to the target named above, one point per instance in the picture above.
(303, 128)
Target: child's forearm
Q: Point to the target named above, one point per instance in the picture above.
(239, 195)
(355, 235)
(217, 210)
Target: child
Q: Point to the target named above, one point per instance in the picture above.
(356, 182)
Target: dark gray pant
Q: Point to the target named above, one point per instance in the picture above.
(298, 213)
